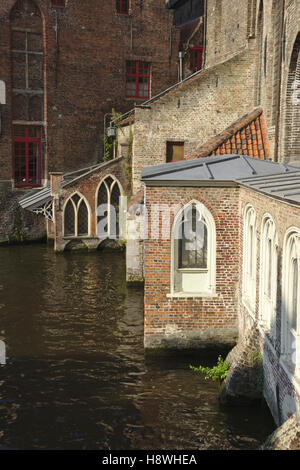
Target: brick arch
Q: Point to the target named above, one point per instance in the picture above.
(292, 115)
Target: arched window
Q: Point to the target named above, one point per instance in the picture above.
(108, 208)
(292, 124)
(76, 217)
(27, 57)
(193, 257)
(290, 312)
(249, 258)
(268, 274)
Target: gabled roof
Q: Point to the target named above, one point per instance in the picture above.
(246, 136)
(275, 179)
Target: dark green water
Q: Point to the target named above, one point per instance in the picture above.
(76, 375)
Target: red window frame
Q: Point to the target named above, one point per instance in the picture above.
(169, 145)
(122, 7)
(58, 3)
(27, 166)
(196, 58)
(137, 79)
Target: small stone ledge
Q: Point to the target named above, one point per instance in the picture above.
(286, 437)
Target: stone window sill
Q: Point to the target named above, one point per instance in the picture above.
(191, 295)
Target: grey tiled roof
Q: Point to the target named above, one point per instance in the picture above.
(284, 186)
(275, 179)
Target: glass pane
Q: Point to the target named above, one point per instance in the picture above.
(83, 219)
(193, 245)
(33, 162)
(295, 283)
(19, 70)
(76, 199)
(20, 162)
(34, 42)
(69, 219)
(35, 71)
(18, 40)
(174, 152)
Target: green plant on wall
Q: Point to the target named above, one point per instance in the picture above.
(217, 373)
(111, 147)
(107, 149)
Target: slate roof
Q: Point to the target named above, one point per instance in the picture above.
(275, 179)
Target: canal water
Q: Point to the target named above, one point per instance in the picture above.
(76, 375)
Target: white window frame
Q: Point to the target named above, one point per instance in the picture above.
(210, 272)
(249, 259)
(76, 209)
(268, 277)
(122, 206)
(290, 338)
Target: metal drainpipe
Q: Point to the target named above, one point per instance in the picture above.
(181, 56)
(277, 123)
(204, 35)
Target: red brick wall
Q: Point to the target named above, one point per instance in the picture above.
(201, 316)
(275, 374)
(85, 72)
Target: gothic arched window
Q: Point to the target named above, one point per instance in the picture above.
(249, 258)
(290, 312)
(193, 257)
(108, 208)
(268, 274)
(76, 217)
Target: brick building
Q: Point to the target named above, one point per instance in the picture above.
(244, 279)
(63, 66)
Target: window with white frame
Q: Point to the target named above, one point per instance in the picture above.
(249, 258)
(193, 257)
(76, 217)
(290, 310)
(109, 200)
(268, 274)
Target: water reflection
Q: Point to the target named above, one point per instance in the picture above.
(76, 376)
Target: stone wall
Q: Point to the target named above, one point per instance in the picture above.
(18, 225)
(193, 112)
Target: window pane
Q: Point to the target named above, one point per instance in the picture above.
(33, 162)
(295, 272)
(20, 162)
(193, 245)
(69, 220)
(19, 70)
(83, 219)
(175, 151)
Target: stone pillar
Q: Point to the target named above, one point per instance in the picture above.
(55, 189)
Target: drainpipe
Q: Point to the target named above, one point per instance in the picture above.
(181, 56)
(204, 35)
(277, 123)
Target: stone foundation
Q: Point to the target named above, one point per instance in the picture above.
(18, 225)
(244, 382)
(173, 338)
